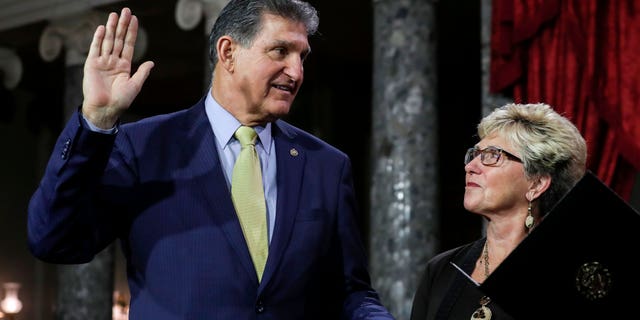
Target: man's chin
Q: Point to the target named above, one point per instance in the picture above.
(279, 110)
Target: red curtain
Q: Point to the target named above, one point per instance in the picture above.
(583, 58)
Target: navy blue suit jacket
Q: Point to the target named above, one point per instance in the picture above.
(158, 186)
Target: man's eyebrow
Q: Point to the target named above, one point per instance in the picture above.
(289, 44)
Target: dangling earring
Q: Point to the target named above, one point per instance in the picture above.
(529, 221)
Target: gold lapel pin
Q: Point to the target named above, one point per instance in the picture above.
(293, 152)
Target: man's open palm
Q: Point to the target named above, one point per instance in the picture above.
(108, 86)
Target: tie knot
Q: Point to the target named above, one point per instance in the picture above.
(246, 136)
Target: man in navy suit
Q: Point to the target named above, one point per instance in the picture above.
(162, 185)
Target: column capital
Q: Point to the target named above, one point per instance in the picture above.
(189, 12)
(14, 13)
(75, 33)
(10, 68)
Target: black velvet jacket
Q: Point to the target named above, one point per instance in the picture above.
(445, 293)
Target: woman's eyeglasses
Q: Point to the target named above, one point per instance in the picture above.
(489, 156)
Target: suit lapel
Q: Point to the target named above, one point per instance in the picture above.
(290, 171)
(201, 148)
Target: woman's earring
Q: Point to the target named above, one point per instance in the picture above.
(529, 221)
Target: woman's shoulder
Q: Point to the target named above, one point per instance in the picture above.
(451, 255)
(436, 280)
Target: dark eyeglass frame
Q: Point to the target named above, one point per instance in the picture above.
(489, 156)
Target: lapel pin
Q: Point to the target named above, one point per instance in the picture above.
(293, 152)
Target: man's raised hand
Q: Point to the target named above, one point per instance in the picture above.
(108, 86)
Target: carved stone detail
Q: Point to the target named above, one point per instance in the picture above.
(14, 13)
(75, 33)
(189, 13)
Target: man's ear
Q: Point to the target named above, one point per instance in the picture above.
(538, 186)
(226, 49)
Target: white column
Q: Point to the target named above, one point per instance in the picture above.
(74, 33)
(190, 12)
(10, 68)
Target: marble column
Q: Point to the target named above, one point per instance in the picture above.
(85, 291)
(404, 211)
(188, 15)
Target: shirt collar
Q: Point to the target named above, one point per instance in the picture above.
(224, 124)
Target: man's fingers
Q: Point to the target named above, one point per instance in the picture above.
(130, 39)
(96, 43)
(122, 31)
(110, 29)
(142, 74)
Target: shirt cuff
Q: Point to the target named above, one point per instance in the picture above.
(93, 128)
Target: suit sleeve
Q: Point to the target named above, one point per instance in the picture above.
(362, 301)
(67, 220)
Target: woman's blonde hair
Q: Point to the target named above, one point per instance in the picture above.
(549, 145)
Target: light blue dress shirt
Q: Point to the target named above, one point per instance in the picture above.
(224, 126)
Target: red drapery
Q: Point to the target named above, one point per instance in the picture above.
(583, 58)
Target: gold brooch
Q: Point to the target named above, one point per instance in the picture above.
(593, 280)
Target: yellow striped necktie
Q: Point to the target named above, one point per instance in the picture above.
(248, 198)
